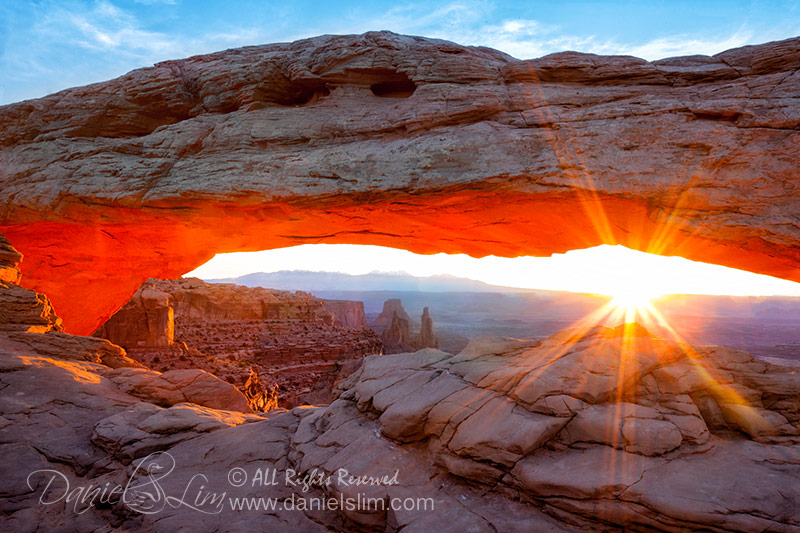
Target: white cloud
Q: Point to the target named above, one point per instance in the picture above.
(67, 44)
(101, 27)
(463, 22)
(104, 27)
(685, 45)
(528, 39)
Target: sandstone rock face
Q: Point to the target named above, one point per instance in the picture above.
(396, 337)
(292, 341)
(22, 310)
(602, 424)
(195, 298)
(347, 314)
(9, 262)
(26, 310)
(394, 140)
(426, 338)
(70, 419)
(147, 320)
(391, 307)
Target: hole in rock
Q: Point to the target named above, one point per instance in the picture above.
(292, 92)
(394, 85)
(286, 326)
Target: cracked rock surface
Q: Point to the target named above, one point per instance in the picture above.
(600, 429)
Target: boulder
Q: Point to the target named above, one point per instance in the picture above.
(177, 386)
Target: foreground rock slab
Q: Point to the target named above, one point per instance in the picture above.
(600, 429)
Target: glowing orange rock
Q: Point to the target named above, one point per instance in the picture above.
(400, 141)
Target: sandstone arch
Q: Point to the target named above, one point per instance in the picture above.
(153, 173)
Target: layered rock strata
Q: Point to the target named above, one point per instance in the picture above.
(9, 262)
(400, 141)
(293, 341)
(347, 314)
(22, 310)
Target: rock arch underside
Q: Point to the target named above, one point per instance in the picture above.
(400, 141)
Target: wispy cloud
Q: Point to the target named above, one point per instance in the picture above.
(530, 38)
(103, 27)
(527, 39)
(106, 27)
(682, 45)
(54, 45)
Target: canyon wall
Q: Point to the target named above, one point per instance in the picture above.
(347, 314)
(147, 320)
(290, 344)
(400, 141)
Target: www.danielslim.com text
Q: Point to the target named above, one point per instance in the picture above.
(340, 503)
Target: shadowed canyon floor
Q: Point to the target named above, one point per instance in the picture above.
(151, 174)
(603, 429)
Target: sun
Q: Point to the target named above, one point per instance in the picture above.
(632, 298)
(631, 303)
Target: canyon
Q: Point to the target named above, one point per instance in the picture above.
(594, 428)
(151, 174)
(296, 346)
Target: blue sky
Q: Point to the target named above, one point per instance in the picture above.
(50, 45)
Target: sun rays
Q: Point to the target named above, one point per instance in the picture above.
(633, 303)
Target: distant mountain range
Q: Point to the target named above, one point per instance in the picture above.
(463, 308)
(304, 280)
